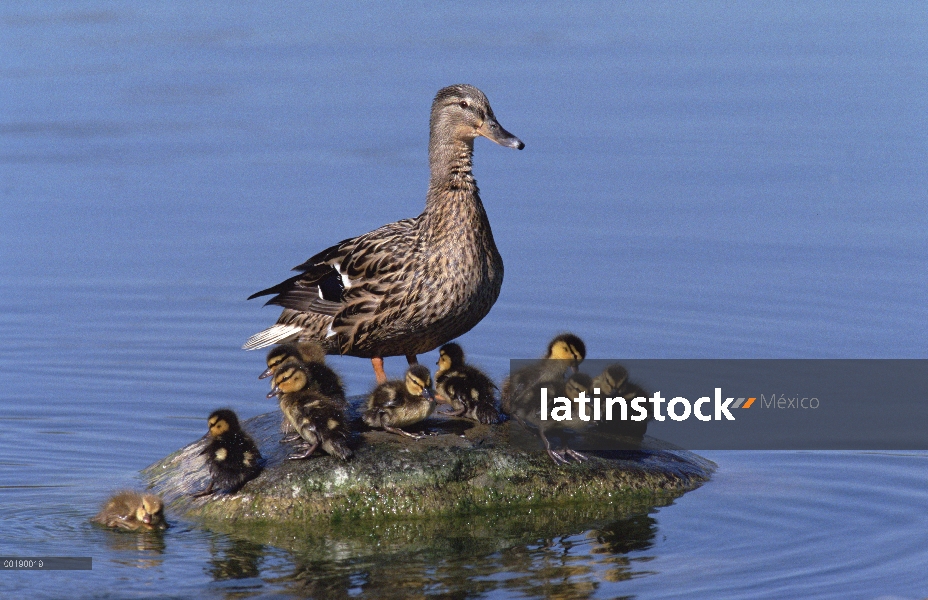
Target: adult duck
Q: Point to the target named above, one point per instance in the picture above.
(409, 286)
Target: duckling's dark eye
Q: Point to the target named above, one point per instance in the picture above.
(464, 104)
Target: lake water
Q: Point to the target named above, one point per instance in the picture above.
(699, 180)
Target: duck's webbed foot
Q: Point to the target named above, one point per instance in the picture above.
(290, 438)
(574, 454)
(401, 432)
(455, 413)
(305, 454)
(201, 493)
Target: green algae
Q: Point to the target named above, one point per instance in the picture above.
(466, 469)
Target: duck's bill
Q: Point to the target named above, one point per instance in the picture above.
(494, 131)
(267, 373)
(274, 393)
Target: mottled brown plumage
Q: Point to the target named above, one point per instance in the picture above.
(409, 286)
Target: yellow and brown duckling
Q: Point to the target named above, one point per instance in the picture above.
(467, 389)
(565, 352)
(316, 417)
(305, 352)
(232, 456)
(410, 286)
(133, 511)
(395, 404)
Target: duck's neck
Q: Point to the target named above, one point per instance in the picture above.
(451, 163)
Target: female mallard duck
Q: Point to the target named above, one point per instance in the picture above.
(395, 404)
(470, 393)
(317, 418)
(232, 456)
(409, 286)
(565, 351)
(132, 511)
(305, 352)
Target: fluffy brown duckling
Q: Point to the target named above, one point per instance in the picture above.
(305, 352)
(232, 456)
(317, 418)
(395, 404)
(133, 511)
(611, 379)
(613, 382)
(467, 389)
(565, 351)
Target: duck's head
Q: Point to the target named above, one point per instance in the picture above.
(450, 356)
(419, 382)
(289, 377)
(567, 347)
(151, 511)
(578, 382)
(303, 351)
(221, 421)
(462, 112)
(612, 378)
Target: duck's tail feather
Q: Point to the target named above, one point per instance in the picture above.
(276, 334)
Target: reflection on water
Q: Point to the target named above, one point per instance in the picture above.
(569, 565)
(142, 550)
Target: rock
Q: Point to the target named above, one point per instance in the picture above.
(464, 469)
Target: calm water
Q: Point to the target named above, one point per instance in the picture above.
(699, 180)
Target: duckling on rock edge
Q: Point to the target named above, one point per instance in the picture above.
(410, 286)
(395, 404)
(232, 456)
(305, 352)
(132, 511)
(467, 389)
(565, 351)
(317, 418)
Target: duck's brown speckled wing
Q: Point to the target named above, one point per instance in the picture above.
(354, 281)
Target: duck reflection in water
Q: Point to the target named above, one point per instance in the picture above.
(233, 558)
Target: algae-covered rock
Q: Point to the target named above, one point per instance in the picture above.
(464, 468)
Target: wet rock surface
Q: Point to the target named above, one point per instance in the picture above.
(462, 468)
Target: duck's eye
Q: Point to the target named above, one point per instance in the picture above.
(464, 104)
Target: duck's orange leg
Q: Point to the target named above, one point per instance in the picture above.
(377, 361)
(411, 359)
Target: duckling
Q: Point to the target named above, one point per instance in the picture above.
(565, 351)
(232, 455)
(611, 379)
(470, 392)
(317, 418)
(305, 352)
(395, 404)
(132, 511)
(614, 382)
(408, 287)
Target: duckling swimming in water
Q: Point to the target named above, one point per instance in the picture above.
(132, 511)
(305, 352)
(470, 393)
(395, 404)
(315, 416)
(232, 456)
